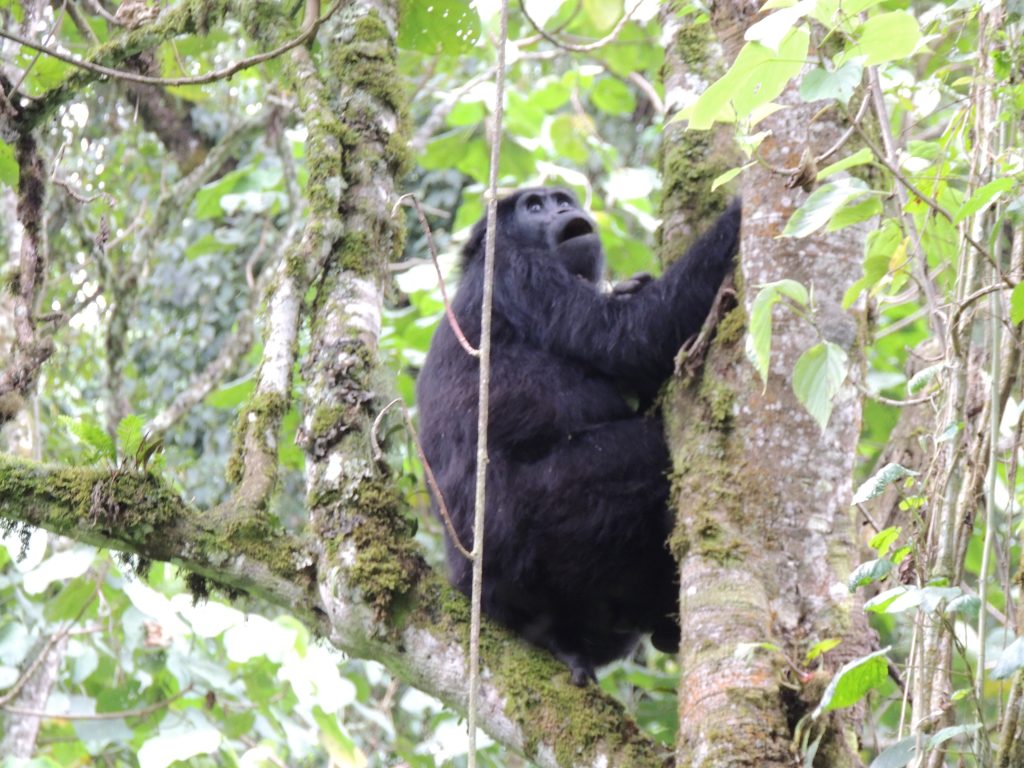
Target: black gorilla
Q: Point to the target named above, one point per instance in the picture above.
(577, 496)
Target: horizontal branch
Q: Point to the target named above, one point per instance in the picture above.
(527, 701)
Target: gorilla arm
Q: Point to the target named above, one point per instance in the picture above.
(632, 338)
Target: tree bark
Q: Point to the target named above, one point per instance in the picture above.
(764, 534)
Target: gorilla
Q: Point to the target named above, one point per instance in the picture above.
(575, 556)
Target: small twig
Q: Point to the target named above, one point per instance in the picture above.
(588, 46)
(218, 74)
(449, 312)
(435, 489)
(74, 194)
(124, 713)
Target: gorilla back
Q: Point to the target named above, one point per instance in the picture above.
(575, 558)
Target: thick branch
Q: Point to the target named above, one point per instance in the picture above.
(527, 701)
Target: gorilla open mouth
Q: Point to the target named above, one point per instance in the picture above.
(575, 226)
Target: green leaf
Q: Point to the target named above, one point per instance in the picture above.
(920, 380)
(1017, 304)
(69, 601)
(817, 377)
(839, 84)
(93, 435)
(611, 96)
(728, 176)
(759, 330)
(982, 197)
(821, 205)
(824, 646)
(951, 732)
(568, 139)
(1009, 661)
(440, 26)
(9, 169)
(232, 395)
(968, 605)
(171, 745)
(887, 37)
(855, 213)
(853, 681)
(129, 434)
(860, 157)
(876, 484)
(756, 77)
(339, 745)
(896, 756)
(771, 30)
(868, 573)
(882, 541)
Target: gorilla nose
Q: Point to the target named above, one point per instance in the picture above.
(573, 226)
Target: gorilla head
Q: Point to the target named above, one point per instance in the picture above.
(549, 222)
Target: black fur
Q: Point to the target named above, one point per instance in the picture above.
(577, 496)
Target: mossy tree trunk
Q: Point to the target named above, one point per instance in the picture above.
(764, 534)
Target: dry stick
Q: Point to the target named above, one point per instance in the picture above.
(378, 455)
(484, 398)
(454, 323)
(118, 715)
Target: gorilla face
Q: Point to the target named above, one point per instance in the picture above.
(550, 218)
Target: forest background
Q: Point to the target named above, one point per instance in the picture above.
(215, 282)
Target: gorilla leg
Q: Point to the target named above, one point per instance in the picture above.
(587, 569)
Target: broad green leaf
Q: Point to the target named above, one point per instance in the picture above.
(855, 213)
(839, 84)
(232, 395)
(824, 646)
(887, 37)
(170, 746)
(868, 573)
(61, 566)
(882, 541)
(876, 484)
(951, 732)
(1009, 661)
(982, 197)
(339, 745)
(72, 598)
(898, 755)
(9, 170)
(853, 681)
(771, 30)
(567, 138)
(966, 604)
(821, 205)
(728, 176)
(860, 157)
(817, 377)
(758, 343)
(1017, 304)
(440, 26)
(756, 77)
(880, 602)
(613, 97)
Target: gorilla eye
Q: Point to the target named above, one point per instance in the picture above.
(563, 202)
(533, 204)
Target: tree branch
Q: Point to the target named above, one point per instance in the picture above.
(527, 701)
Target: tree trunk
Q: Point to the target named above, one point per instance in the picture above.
(764, 533)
